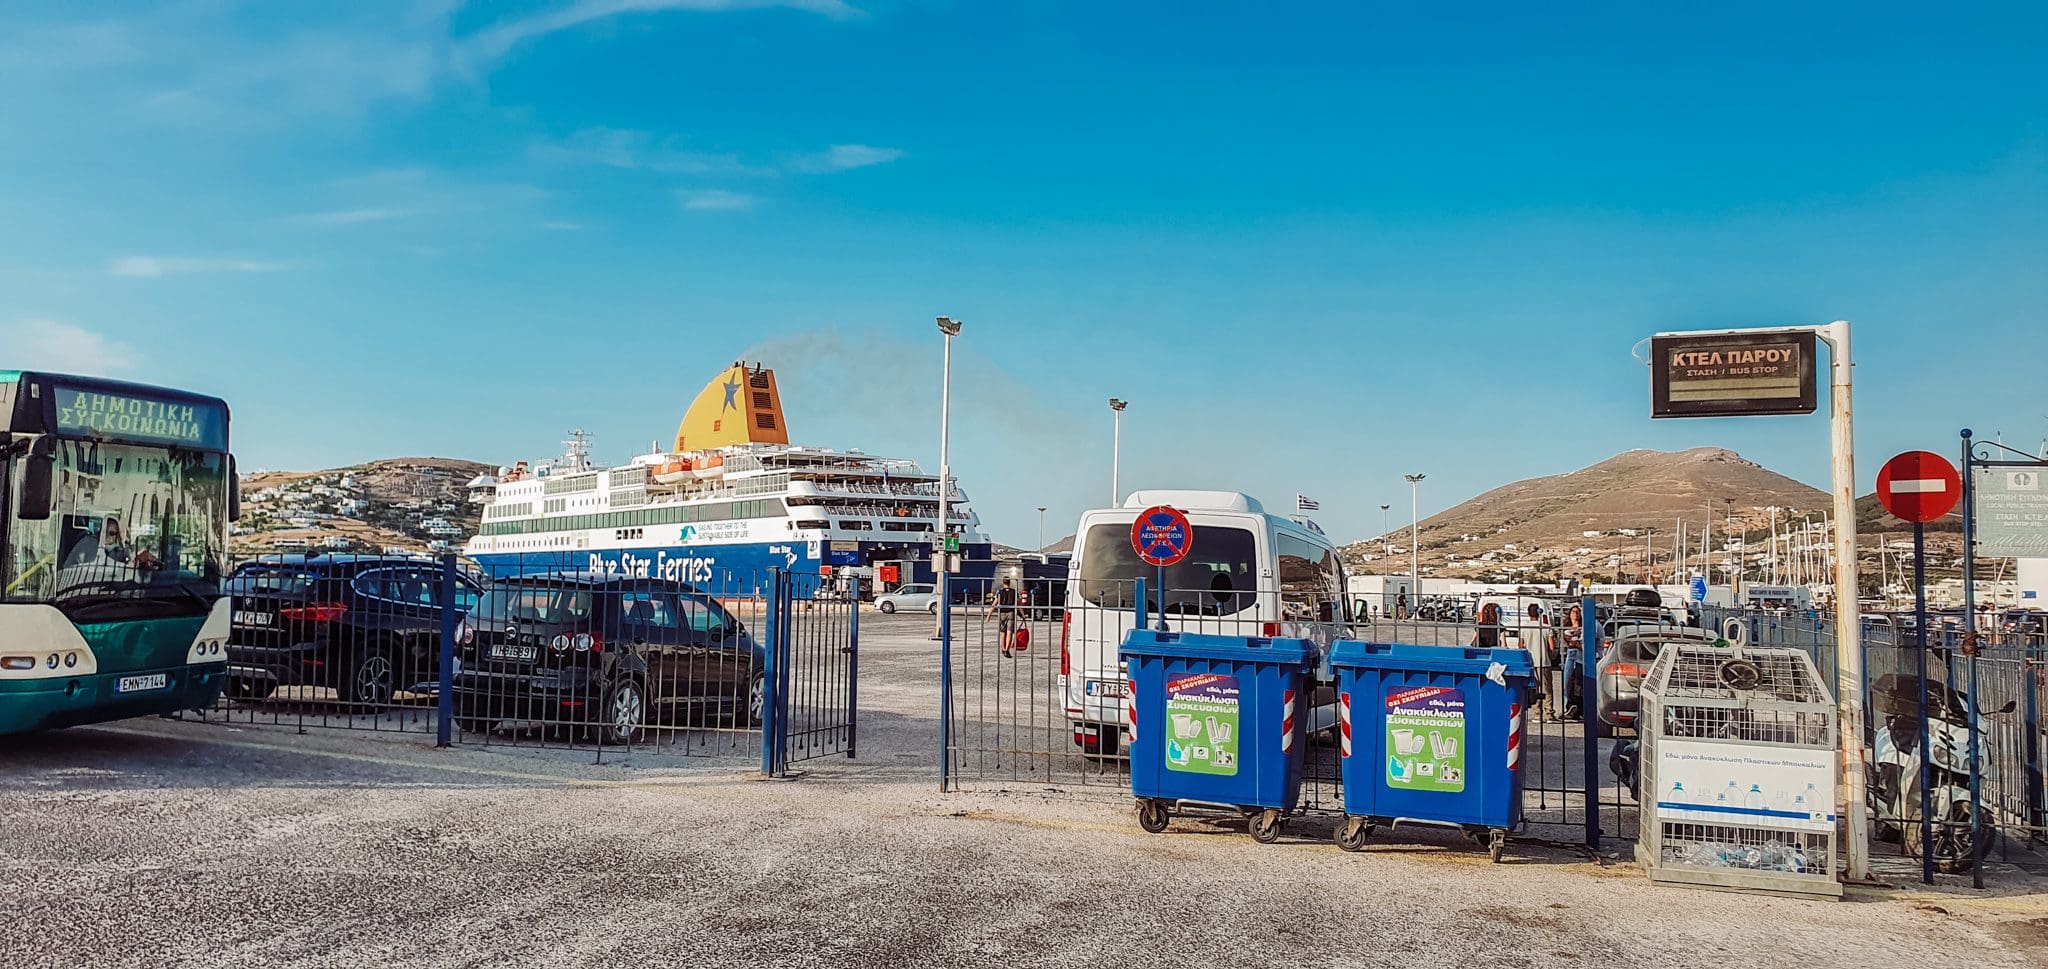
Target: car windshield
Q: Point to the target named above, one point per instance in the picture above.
(129, 522)
(1217, 578)
(534, 604)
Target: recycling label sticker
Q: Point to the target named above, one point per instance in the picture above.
(1201, 723)
(1426, 738)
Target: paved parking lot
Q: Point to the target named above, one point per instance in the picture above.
(187, 844)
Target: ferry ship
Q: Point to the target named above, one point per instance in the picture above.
(731, 500)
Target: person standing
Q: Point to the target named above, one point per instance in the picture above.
(1401, 606)
(1572, 643)
(1005, 609)
(1486, 632)
(1536, 639)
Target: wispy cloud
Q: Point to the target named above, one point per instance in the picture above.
(59, 346)
(354, 216)
(152, 266)
(840, 158)
(494, 42)
(715, 199)
(644, 151)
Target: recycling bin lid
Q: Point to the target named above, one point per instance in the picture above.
(1240, 649)
(1429, 659)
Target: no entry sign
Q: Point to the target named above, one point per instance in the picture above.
(1162, 535)
(1919, 486)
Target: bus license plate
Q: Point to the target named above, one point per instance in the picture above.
(524, 654)
(244, 617)
(139, 684)
(1107, 688)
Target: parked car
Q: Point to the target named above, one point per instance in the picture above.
(367, 626)
(614, 653)
(916, 597)
(1624, 663)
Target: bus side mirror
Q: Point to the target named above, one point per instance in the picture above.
(38, 480)
(234, 491)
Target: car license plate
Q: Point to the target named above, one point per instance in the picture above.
(139, 684)
(513, 651)
(245, 617)
(1107, 688)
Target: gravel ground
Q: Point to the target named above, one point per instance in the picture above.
(159, 843)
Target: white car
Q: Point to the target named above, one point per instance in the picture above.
(909, 598)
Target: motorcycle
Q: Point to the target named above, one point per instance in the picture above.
(1960, 839)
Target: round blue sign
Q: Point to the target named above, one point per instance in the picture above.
(1162, 536)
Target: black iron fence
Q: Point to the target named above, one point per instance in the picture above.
(530, 653)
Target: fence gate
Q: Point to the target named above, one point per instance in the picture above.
(813, 669)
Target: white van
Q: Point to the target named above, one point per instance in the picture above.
(1249, 573)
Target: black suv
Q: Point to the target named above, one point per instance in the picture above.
(367, 626)
(613, 653)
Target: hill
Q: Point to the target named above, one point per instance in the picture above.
(1612, 515)
(416, 504)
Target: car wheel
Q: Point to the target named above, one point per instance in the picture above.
(371, 679)
(888, 607)
(625, 713)
(933, 609)
(757, 701)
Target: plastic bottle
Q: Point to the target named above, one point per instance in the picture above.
(1755, 798)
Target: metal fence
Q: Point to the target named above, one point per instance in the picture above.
(2002, 668)
(1033, 698)
(535, 654)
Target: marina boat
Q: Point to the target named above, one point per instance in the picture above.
(730, 500)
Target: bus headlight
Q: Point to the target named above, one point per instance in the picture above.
(53, 661)
(17, 662)
(70, 660)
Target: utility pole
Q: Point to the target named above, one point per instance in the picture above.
(941, 557)
(1116, 449)
(1414, 534)
(1386, 540)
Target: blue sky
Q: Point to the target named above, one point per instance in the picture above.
(1317, 246)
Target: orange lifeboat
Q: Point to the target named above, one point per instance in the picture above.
(710, 466)
(670, 472)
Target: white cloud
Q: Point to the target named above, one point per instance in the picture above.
(355, 216)
(715, 199)
(840, 158)
(492, 43)
(622, 148)
(62, 347)
(151, 266)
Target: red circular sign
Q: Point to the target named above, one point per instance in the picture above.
(1162, 536)
(1919, 486)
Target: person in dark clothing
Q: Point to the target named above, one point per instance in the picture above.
(1487, 634)
(1573, 638)
(1005, 609)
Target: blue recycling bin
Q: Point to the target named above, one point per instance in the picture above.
(1217, 723)
(1430, 734)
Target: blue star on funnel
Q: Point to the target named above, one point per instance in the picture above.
(732, 389)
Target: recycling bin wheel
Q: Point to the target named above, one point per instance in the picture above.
(1153, 815)
(1353, 833)
(1496, 842)
(1265, 826)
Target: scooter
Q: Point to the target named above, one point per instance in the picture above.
(1960, 838)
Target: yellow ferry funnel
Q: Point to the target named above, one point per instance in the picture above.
(739, 406)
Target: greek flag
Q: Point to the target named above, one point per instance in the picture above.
(1305, 503)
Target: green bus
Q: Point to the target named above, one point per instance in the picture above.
(115, 501)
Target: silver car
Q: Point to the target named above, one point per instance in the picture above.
(909, 598)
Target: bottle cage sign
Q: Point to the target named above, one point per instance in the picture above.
(1162, 536)
(1762, 372)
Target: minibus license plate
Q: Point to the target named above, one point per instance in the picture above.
(1107, 688)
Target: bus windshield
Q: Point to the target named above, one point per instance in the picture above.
(131, 523)
(1218, 577)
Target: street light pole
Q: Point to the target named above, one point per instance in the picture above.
(1414, 532)
(951, 328)
(1116, 448)
(1041, 529)
(1386, 542)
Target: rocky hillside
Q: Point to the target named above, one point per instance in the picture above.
(1613, 516)
(413, 504)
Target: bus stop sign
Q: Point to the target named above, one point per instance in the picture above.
(1162, 536)
(1919, 486)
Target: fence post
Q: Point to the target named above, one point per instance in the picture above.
(945, 681)
(770, 654)
(853, 668)
(444, 692)
(1589, 710)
